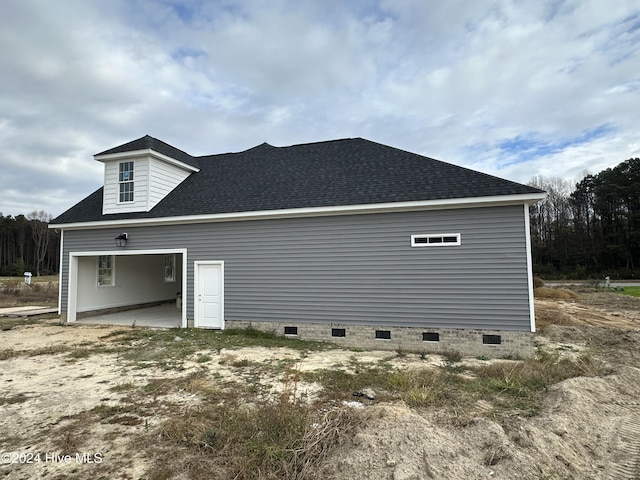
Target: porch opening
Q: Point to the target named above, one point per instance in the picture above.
(136, 288)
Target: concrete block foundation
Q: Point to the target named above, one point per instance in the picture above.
(486, 343)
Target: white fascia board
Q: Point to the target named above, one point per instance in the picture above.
(498, 200)
(119, 253)
(141, 153)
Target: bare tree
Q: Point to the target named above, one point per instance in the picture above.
(40, 231)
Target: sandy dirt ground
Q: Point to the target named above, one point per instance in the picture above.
(589, 428)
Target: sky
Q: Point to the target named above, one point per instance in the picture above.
(513, 88)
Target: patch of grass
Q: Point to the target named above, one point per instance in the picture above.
(495, 453)
(50, 350)
(241, 363)
(549, 293)
(42, 291)
(631, 291)
(12, 400)
(521, 385)
(8, 353)
(451, 356)
(120, 413)
(268, 440)
(77, 353)
(508, 385)
(34, 279)
(194, 382)
(123, 387)
(9, 323)
(160, 348)
(70, 441)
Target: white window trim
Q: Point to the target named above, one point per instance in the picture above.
(436, 235)
(113, 272)
(122, 182)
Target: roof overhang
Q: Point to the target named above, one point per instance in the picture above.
(442, 204)
(143, 153)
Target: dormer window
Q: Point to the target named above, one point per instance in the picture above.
(125, 180)
(137, 177)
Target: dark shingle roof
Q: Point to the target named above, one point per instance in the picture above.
(339, 172)
(159, 146)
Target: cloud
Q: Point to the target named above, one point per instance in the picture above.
(508, 87)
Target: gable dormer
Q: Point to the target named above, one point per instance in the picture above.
(139, 174)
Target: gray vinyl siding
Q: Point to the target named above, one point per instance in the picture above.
(354, 269)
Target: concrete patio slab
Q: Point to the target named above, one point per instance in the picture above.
(26, 311)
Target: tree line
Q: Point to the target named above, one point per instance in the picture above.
(591, 229)
(28, 245)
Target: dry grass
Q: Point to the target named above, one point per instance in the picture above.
(510, 386)
(547, 293)
(14, 293)
(225, 438)
(550, 315)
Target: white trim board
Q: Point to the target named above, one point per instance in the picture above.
(498, 200)
(72, 289)
(141, 153)
(527, 227)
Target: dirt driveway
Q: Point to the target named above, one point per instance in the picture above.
(97, 401)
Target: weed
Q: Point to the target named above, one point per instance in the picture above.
(50, 350)
(270, 440)
(128, 420)
(495, 454)
(69, 442)
(451, 356)
(70, 437)
(161, 472)
(194, 382)
(158, 348)
(9, 323)
(521, 384)
(13, 292)
(8, 353)
(105, 411)
(123, 387)
(11, 400)
(241, 363)
(10, 288)
(511, 385)
(77, 353)
(158, 386)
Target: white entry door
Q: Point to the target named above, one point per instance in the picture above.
(209, 295)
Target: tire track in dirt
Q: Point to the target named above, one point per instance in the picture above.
(625, 451)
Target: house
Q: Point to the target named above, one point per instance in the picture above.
(349, 241)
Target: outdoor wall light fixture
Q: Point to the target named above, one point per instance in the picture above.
(121, 240)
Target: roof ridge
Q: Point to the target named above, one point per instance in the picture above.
(337, 140)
